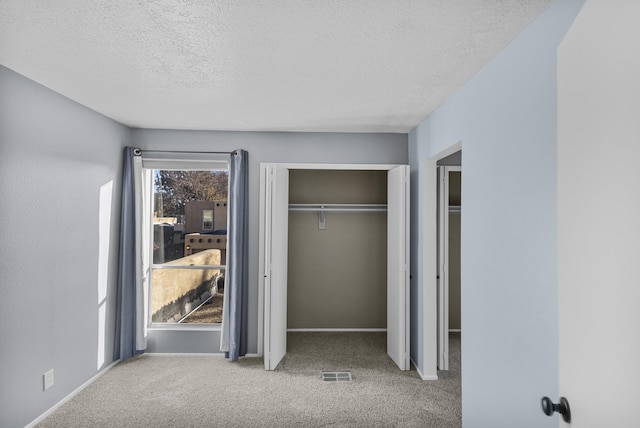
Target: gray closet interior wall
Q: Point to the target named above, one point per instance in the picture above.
(454, 251)
(337, 277)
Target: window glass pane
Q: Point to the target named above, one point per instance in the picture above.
(189, 232)
(186, 295)
(187, 203)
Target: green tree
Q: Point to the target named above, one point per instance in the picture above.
(175, 188)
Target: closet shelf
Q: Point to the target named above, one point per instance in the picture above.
(455, 209)
(338, 208)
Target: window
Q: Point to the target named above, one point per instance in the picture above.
(207, 219)
(189, 217)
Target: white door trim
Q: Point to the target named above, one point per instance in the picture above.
(428, 218)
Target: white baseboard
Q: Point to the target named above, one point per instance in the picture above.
(336, 330)
(70, 396)
(423, 377)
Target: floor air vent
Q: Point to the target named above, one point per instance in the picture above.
(336, 376)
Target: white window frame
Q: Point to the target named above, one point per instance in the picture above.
(174, 161)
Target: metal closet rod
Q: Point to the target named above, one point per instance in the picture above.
(338, 207)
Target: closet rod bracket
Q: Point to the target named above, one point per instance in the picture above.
(322, 219)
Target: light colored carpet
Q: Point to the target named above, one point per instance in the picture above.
(208, 391)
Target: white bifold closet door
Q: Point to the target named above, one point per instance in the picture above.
(398, 266)
(276, 231)
(275, 258)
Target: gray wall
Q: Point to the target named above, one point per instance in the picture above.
(60, 174)
(337, 277)
(505, 117)
(269, 147)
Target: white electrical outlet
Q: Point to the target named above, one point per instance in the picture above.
(48, 379)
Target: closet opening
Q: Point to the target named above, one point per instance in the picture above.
(337, 258)
(339, 276)
(337, 267)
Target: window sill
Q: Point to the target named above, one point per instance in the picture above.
(185, 327)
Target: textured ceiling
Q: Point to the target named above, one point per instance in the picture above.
(280, 65)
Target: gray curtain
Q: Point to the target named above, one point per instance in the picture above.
(234, 324)
(128, 329)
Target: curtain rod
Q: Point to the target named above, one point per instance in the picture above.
(140, 151)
